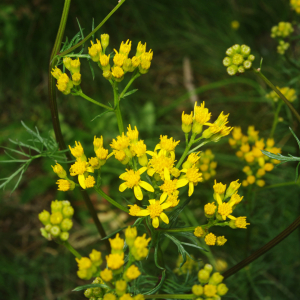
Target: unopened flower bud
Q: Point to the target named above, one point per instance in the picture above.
(44, 217)
(68, 211)
(104, 41)
(55, 231)
(64, 236)
(66, 224)
(76, 78)
(203, 276)
(56, 218)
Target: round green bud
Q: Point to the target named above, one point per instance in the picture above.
(197, 128)
(251, 57)
(66, 203)
(48, 227)
(237, 59)
(227, 61)
(66, 224)
(222, 289)
(107, 74)
(64, 236)
(229, 51)
(97, 292)
(236, 48)
(97, 280)
(208, 268)
(104, 40)
(56, 218)
(247, 64)
(56, 206)
(127, 65)
(68, 211)
(232, 70)
(186, 128)
(55, 231)
(245, 50)
(241, 69)
(44, 217)
(203, 276)
(232, 224)
(216, 278)
(197, 289)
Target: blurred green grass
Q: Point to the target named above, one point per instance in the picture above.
(199, 30)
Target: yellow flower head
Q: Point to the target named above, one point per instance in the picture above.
(134, 210)
(101, 153)
(133, 180)
(210, 239)
(135, 61)
(125, 47)
(56, 72)
(210, 209)
(235, 199)
(133, 272)
(193, 157)
(191, 177)
(59, 170)
(173, 199)
(106, 275)
(121, 286)
(141, 242)
(75, 65)
(126, 297)
(187, 119)
(76, 78)
(98, 142)
(201, 114)
(121, 143)
(169, 186)
(197, 290)
(117, 243)
(94, 162)
(115, 261)
(78, 168)
(199, 232)
(84, 263)
(104, 40)
(119, 59)
(221, 240)
(167, 144)
(133, 134)
(63, 185)
(235, 24)
(131, 232)
(237, 133)
(139, 148)
(241, 222)
(158, 163)
(222, 289)
(210, 290)
(120, 155)
(147, 56)
(90, 181)
(77, 151)
(219, 188)
(104, 60)
(117, 72)
(225, 209)
(56, 218)
(95, 256)
(268, 167)
(109, 296)
(140, 49)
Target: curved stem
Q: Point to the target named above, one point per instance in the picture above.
(129, 84)
(275, 121)
(117, 108)
(81, 94)
(71, 249)
(113, 202)
(91, 33)
(185, 153)
(273, 87)
(54, 111)
(263, 249)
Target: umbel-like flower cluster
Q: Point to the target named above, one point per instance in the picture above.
(58, 223)
(295, 4)
(238, 59)
(211, 286)
(166, 178)
(114, 70)
(249, 151)
(282, 31)
(289, 93)
(117, 276)
(207, 165)
(223, 204)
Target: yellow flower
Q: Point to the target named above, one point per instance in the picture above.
(98, 143)
(155, 210)
(166, 145)
(80, 168)
(90, 181)
(117, 72)
(132, 134)
(115, 261)
(251, 179)
(235, 24)
(233, 187)
(268, 167)
(201, 114)
(75, 66)
(221, 240)
(56, 72)
(187, 119)
(117, 244)
(125, 47)
(222, 289)
(132, 272)
(237, 133)
(134, 210)
(210, 290)
(133, 180)
(139, 148)
(140, 49)
(225, 208)
(209, 210)
(77, 151)
(197, 290)
(173, 199)
(199, 232)
(169, 186)
(95, 257)
(59, 170)
(109, 296)
(235, 199)
(104, 60)
(239, 222)
(65, 185)
(106, 275)
(104, 40)
(210, 239)
(121, 287)
(126, 297)
(147, 56)
(121, 143)
(219, 188)
(84, 263)
(158, 163)
(141, 242)
(118, 59)
(191, 177)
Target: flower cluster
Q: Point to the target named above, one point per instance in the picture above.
(88, 266)
(211, 286)
(238, 59)
(295, 4)
(116, 276)
(219, 210)
(58, 223)
(290, 94)
(189, 266)
(207, 165)
(281, 31)
(249, 150)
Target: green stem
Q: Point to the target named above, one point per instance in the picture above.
(71, 249)
(199, 146)
(185, 153)
(81, 94)
(117, 108)
(263, 249)
(279, 185)
(276, 119)
(91, 33)
(113, 202)
(129, 84)
(273, 87)
(170, 296)
(185, 229)
(54, 111)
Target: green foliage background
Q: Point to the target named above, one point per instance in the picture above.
(32, 268)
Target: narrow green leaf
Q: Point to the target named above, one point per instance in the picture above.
(296, 178)
(91, 68)
(17, 183)
(280, 157)
(129, 93)
(295, 136)
(93, 27)
(92, 285)
(19, 143)
(180, 247)
(192, 245)
(154, 290)
(101, 115)
(155, 257)
(13, 150)
(12, 161)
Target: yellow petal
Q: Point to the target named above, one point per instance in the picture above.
(184, 170)
(231, 217)
(155, 222)
(150, 153)
(150, 172)
(218, 198)
(163, 197)
(164, 218)
(146, 186)
(138, 192)
(142, 170)
(90, 169)
(143, 213)
(81, 180)
(157, 147)
(122, 175)
(152, 201)
(172, 155)
(167, 174)
(191, 189)
(122, 187)
(182, 182)
(166, 205)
